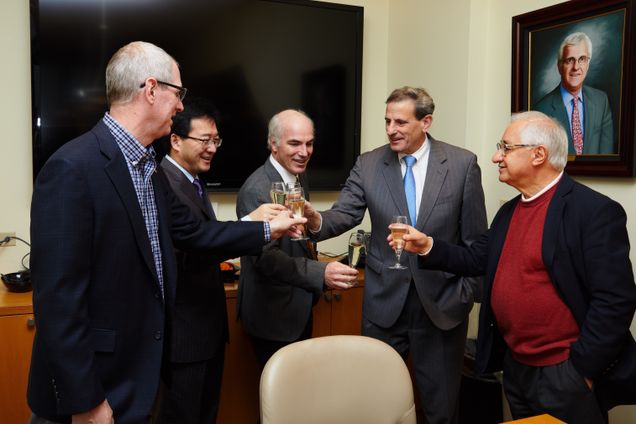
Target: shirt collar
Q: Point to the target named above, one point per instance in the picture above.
(567, 96)
(133, 150)
(419, 153)
(546, 188)
(287, 176)
(181, 168)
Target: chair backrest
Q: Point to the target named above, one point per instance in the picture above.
(337, 379)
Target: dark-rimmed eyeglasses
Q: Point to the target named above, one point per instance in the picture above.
(180, 93)
(505, 147)
(581, 60)
(205, 142)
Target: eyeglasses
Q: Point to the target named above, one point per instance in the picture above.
(581, 60)
(180, 93)
(205, 142)
(504, 148)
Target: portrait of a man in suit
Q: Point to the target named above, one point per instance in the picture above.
(584, 111)
(574, 73)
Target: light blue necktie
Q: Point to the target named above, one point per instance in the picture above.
(409, 188)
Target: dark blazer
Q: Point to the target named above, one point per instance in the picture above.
(586, 252)
(199, 319)
(278, 287)
(452, 208)
(99, 311)
(598, 125)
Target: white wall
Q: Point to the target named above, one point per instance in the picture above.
(459, 50)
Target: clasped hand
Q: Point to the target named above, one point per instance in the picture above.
(414, 241)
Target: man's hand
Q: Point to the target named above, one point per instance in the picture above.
(267, 212)
(340, 276)
(414, 241)
(285, 224)
(313, 218)
(101, 414)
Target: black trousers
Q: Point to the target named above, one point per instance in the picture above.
(265, 348)
(192, 391)
(558, 390)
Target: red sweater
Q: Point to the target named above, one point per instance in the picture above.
(535, 323)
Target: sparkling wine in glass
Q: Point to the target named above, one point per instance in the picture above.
(356, 245)
(397, 231)
(296, 203)
(278, 192)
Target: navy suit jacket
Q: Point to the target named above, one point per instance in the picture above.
(198, 324)
(598, 127)
(99, 311)
(585, 249)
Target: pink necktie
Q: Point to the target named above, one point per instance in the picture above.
(577, 132)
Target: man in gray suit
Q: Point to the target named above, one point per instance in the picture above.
(278, 288)
(421, 312)
(583, 111)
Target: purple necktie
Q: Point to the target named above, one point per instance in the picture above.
(197, 185)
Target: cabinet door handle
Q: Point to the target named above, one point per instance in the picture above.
(327, 296)
(337, 296)
(30, 323)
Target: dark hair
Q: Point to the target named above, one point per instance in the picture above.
(424, 104)
(193, 108)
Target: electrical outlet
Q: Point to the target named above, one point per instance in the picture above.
(11, 242)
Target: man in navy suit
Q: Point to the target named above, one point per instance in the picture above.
(583, 110)
(198, 325)
(103, 222)
(559, 294)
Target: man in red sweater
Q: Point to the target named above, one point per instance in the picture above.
(559, 293)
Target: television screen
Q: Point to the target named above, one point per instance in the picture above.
(252, 58)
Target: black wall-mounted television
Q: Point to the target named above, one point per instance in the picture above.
(253, 58)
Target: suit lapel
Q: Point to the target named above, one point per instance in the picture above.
(435, 176)
(187, 189)
(392, 173)
(117, 171)
(553, 219)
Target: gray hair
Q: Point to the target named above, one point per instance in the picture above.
(131, 65)
(572, 40)
(424, 104)
(544, 130)
(275, 127)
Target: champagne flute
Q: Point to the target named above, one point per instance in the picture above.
(278, 192)
(397, 231)
(356, 244)
(289, 186)
(296, 203)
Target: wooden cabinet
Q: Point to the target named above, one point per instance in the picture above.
(337, 312)
(17, 328)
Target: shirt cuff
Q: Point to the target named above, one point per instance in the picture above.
(319, 227)
(246, 218)
(429, 249)
(268, 232)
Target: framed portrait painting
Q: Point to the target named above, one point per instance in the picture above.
(573, 62)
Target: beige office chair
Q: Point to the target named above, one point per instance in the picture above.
(337, 380)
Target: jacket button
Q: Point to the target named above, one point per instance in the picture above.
(157, 335)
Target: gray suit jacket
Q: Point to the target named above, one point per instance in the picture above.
(279, 287)
(452, 208)
(598, 125)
